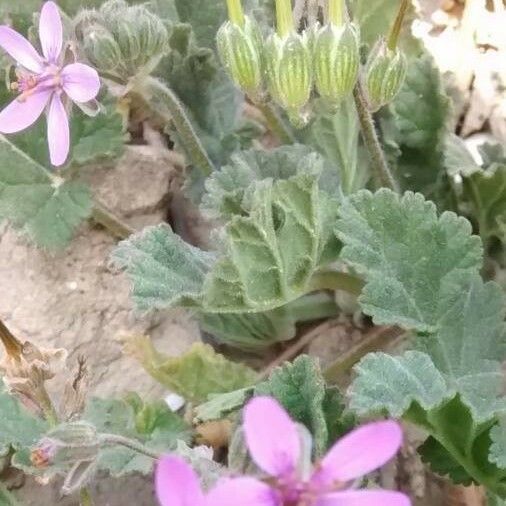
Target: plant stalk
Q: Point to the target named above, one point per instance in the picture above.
(336, 12)
(104, 217)
(115, 439)
(315, 306)
(333, 280)
(167, 105)
(379, 162)
(393, 38)
(284, 17)
(235, 12)
(276, 124)
(85, 497)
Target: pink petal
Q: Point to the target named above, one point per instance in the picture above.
(271, 436)
(177, 484)
(50, 31)
(80, 82)
(365, 498)
(20, 49)
(19, 115)
(58, 131)
(360, 452)
(243, 491)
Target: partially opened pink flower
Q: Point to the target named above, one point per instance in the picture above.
(275, 445)
(43, 82)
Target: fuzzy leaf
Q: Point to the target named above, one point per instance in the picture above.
(152, 424)
(163, 268)
(19, 429)
(413, 260)
(458, 159)
(301, 389)
(45, 208)
(227, 190)
(219, 406)
(268, 259)
(194, 375)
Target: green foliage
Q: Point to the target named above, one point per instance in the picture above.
(194, 375)
(268, 261)
(19, 429)
(41, 205)
(154, 425)
(228, 191)
(413, 259)
(300, 388)
(219, 406)
(6, 498)
(451, 385)
(415, 137)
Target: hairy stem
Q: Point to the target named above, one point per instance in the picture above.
(315, 306)
(167, 105)
(377, 339)
(276, 124)
(104, 217)
(284, 17)
(397, 26)
(235, 12)
(379, 162)
(336, 12)
(333, 280)
(115, 439)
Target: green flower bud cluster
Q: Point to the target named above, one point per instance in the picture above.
(122, 40)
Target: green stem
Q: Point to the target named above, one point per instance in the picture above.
(378, 160)
(85, 497)
(168, 106)
(115, 439)
(393, 38)
(235, 12)
(284, 17)
(47, 407)
(336, 12)
(276, 124)
(316, 306)
(104, 217)
(333, 280)
(374, 341)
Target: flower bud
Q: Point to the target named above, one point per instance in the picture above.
(385, 73)
(336, 61)
(122, 40)
(67, 444)
(240, 49)
(290, 72)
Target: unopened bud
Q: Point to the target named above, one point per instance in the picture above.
(336, 60)
(290, 71)
(101, 49)
(385, 74)
(67, 444)
(240, 49)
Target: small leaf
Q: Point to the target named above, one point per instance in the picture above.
(194, 375)
(458, 159)
(219, 406)
(122, 418)
(413, 260)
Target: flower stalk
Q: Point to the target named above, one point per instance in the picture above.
(116, 439)
(393, 38)
(284, 17)
(276, 124)
(380, 168)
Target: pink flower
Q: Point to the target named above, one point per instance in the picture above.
(274, 444)
(43, 81)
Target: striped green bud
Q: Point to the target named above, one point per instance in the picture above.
(240, 49)
(385, 73)
(336, 61)
(101, 49)
(289, 71)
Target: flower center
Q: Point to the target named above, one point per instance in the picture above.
(27, 83)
